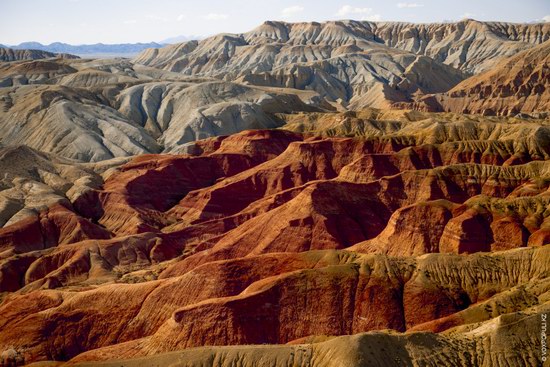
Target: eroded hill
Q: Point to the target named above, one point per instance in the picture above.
(358, 64)
(272, 236)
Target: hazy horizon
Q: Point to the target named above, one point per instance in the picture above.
(88, 22)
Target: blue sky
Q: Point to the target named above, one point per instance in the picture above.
(118, 21)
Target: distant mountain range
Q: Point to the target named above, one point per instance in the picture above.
(98, 48)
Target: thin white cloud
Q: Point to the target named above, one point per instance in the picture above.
(362, 13)
(215, 16)
(546, 18)
(409, 5)
(372, 18)
(180, 17)
(468, 15)
(348, 10)
(157, 18)
(130, 21)
(291, 11)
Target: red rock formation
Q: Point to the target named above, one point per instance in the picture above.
(341, 294)
(58, 225)
(239, 242)
(128, 205)
(419, 226)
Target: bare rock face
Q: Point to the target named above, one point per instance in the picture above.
(469, 45)
(420, 225)
(311, 291)
(179, 113)
(374, 79)
(68, 122)
(32, 181)
(8, 54)
(357, 63)
(520, 83)
(449, 43)
(468, 232)
(92, 110)
(496, 336)
(30, 72)
(99, 111)
(508, 233)
(351, 69)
